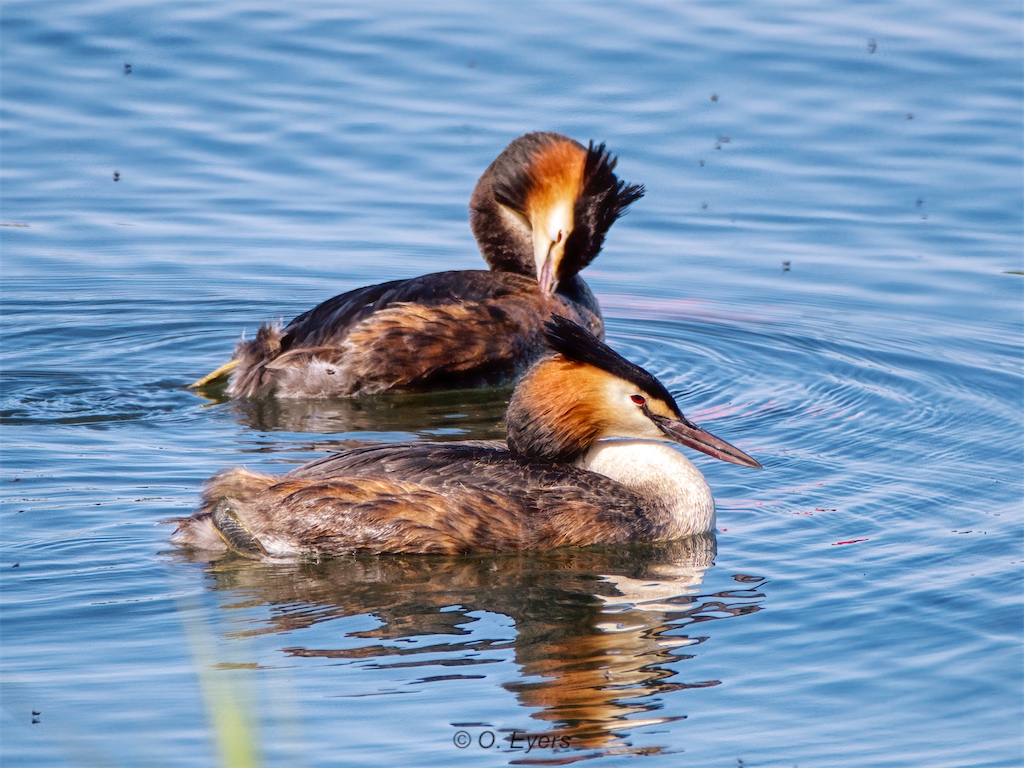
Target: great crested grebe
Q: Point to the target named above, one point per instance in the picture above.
(539, 213)
(557, 483)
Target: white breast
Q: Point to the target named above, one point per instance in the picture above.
(674, 490)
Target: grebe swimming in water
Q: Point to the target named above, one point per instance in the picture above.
(557, 483)
(539, 213)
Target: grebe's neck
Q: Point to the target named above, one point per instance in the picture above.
(674, 493)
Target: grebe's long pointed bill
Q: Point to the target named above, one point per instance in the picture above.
(687, 433)
(546, 274)
(547, 253)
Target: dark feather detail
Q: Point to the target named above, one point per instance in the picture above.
(508, 181)
(497, 208)
(577, 344)
(437, 331)
(603, 199)
(513, 169)
(417, 498)
(331, 320)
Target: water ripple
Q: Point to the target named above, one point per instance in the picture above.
(826, 270)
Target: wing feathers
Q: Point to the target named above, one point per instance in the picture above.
(414, 498)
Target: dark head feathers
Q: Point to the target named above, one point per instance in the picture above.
(579, 345)
(603, 199)
(513, 167)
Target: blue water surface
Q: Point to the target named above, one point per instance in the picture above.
(826, 270)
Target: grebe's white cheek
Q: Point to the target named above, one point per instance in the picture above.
(516, 221)
(629, 419)
(643, 427)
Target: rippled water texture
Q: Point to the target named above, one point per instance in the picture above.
(826, 270)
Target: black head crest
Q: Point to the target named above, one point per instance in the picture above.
(579, 345)
(603, 199)
(513, 168)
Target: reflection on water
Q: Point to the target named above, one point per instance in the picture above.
(596, 630)
(457, 415)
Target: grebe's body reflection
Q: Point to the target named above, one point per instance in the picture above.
(469, 414)
(598, 631)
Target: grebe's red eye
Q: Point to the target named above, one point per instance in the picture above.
(560, 236)
(638, 399)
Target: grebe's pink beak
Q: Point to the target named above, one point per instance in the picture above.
(685, 432)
